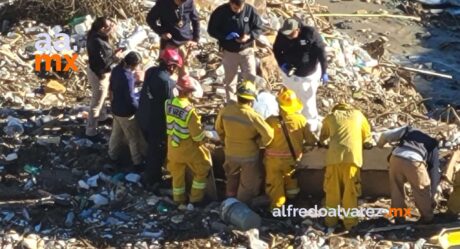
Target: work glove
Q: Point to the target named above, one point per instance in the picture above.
(325, 78)
(285, 68)
(232, 36)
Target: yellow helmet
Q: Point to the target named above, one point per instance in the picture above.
(246, 90)
(288, 101)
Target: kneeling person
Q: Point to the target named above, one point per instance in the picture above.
(415, 160)
(185, 144)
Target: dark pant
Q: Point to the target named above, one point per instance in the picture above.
(156, 156)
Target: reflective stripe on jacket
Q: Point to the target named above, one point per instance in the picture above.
(178, 112)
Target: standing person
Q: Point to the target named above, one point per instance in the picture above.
(243, 132)
(348, 130)
(101, 56)
(235, 25)
(124, 107)
(415, 160)
(177, 23)
(301, 54)
(157, 88)
(278, 160)
(185, 144)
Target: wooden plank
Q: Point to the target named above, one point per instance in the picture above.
(374, 159)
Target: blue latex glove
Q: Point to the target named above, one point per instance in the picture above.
(285, 68)
(325, 79)
(232, 35)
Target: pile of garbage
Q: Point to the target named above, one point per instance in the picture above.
(366, 80)
(95, 205)
(53, 12)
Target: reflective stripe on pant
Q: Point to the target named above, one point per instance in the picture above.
(126, 129)
(278, 185)
(342, 185)
(99, 92)
(306, 88)
(402, 170)
(246, 60)
(244, 179)
(200, 170)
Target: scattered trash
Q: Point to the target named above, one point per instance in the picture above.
(69, 219)
(99, 200)
(239, 215)
(31, 169)
(132, 177)
(254, 241)
(14, 127)
(11, 157)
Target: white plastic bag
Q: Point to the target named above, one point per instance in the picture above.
(266, 105)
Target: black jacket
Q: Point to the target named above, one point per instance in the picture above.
(156, 90)
(223, 21)
(427, 147)
(165, 16)
(303, 53)
(100, 53)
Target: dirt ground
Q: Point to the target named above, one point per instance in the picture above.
(433, 44)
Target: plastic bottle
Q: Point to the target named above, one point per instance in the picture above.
(238, 214)
(14, 127)
(69, 219)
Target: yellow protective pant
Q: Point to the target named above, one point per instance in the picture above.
(200, 168)
(342, 185)
(278, 185)
(453, 204)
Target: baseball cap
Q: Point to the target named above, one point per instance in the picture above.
(289, 26)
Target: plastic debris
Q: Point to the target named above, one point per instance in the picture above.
(31, 169)
(133, 177)
(11, 157)
(99, 200)
(14, 127)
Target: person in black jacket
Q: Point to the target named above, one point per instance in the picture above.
(177, 23)
(415, 160)
(124, 107)
(236, 25)
(101, 56)
(301, 55)
(157, 88)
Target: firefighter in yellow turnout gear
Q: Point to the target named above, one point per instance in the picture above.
(185, 147)
(243, 131)
(348, 129)
(278, 159)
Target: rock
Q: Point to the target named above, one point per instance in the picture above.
(344, 25)
(362, 12)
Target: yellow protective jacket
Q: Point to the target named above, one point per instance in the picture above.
(299, 133)
(184, 130)
(242, 130)
(347, 129)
